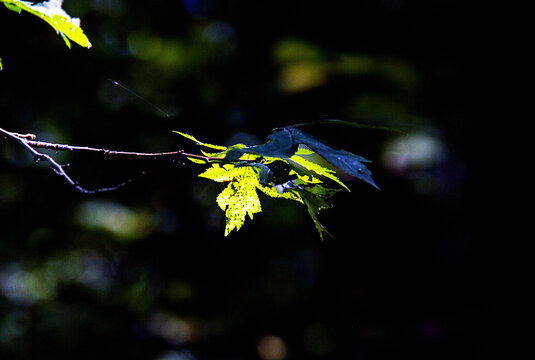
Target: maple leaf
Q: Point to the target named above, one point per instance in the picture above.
(292, 165)
(239, 198)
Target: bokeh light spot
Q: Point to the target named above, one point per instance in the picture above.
(175, 57)
(24, 287)
(271, 347)
(302, 76)
(407, 155)
(124, 223)
(295, 50)
(144, 44)
(176, 330)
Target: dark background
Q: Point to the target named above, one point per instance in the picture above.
(145, 272)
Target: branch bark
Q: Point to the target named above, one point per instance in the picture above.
(29, 143)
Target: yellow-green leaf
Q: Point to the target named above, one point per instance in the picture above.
(306, 178)
(303, 151)
(211, 146)
(195, 160)
(272, 191)
(52, 12)
(239, 198)
(12, 7)
(218, 173)
(318, 169)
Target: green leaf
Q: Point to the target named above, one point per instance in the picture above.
(303, 151)
(344, 160)
(52, 12)
(304, 178)
(265, 174)
(219, 173)
(287, 142)
(216, 147)
(67, 42)
(292, 165)
(272, 192)
(314, 204)
(195, 160)
(13, 7)
(318, 169)
(239, 198)
(280, 146)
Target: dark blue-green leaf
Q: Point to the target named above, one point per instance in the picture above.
(344, 160)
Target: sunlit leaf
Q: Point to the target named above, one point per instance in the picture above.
(187, 136)
(272, 192)
(344, 160)
(303, 151)
(239, 198)
(219, 173)
(196, 161)
(287, 142)
(314, 204)
(52, 12)
(12, 7)
(305, 178)
(318, 169)
(292, 165)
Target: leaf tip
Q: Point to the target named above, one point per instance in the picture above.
(372, 183)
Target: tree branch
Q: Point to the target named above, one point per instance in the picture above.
(28, 142)
(64, 147)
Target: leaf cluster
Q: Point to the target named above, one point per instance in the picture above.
(292, 165)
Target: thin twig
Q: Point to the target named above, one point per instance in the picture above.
(27, 142)
(65, 147)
